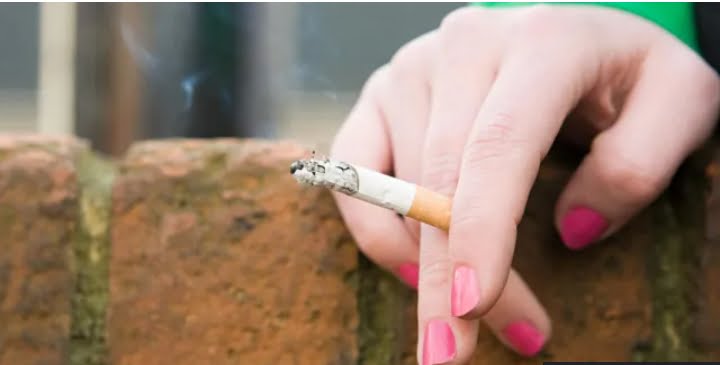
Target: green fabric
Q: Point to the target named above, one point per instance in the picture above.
(677, 18)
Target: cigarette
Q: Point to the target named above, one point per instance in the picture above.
(404, 198)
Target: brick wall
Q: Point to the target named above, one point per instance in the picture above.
(208, 252)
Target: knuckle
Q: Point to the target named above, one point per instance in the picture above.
(539, 14)
(461, 21)
(630, 178)
(538, 21)
(712, 94)
(705, 80)
(497, 139)
(710, 84)
(699, 80)
(468, 36)
(372, 94)
(440, 172)
(376, 82)
(474, 215)
(413, 57)
(435, 273)
(375, 89)
(471, 216)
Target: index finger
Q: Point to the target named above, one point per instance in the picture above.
(512, 133)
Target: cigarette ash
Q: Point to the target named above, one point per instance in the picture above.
(335, 175)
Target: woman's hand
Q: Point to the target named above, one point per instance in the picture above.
(471, 109)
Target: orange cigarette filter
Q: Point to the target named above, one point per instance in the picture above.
(431, 208)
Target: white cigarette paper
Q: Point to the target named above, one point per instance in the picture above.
(375, 188)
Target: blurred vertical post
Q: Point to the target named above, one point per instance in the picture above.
(267, 55)
(91, 83)
(56, 84)
(212, 84)
(123, 105)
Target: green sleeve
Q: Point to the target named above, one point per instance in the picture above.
(676, 18)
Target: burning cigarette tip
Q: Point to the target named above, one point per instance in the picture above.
(327, 173)
(375, 188)
(295, 166)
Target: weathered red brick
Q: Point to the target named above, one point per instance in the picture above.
(219, 257)
(38, 200)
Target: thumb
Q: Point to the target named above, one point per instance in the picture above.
(669, 113)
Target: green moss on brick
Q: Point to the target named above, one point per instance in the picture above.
(91, 250)
(668, 281)
(382, 301)
(678, 232)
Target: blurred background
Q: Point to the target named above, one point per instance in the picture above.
(114, 73)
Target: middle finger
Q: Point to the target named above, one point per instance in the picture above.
(461, 80)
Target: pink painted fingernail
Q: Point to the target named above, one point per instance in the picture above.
(525, 338)
(408, 273)
(581, 226)
(438, 343)
(464, 294)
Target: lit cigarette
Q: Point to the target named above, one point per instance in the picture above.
(376, 188)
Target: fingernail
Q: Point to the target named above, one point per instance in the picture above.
(581, 226)
(408, 273)
(525, 338)
(439, 343)
(464, 293)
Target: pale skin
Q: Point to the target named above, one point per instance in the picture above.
(470, 110)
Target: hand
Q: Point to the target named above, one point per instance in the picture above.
(470, 110)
